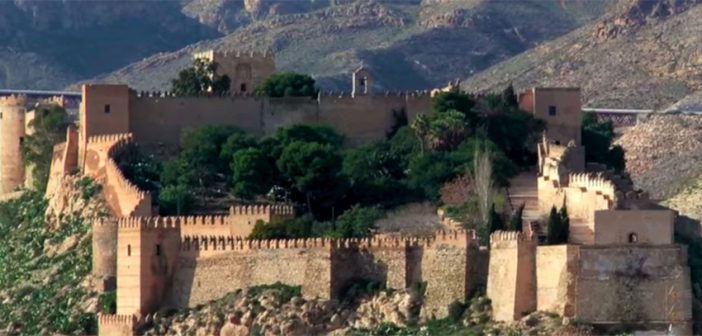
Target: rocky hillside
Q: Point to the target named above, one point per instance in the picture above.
(663, 156)
(45, 258)
(279, 310)
(644, 54)
(408, 44)
(50, 44)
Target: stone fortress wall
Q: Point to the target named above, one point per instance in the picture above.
(624, 263)
(12, 131)
(624, 268)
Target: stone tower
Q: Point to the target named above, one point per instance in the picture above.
(245, 70)
(362, 82)
(12, 132)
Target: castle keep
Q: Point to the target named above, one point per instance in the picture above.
(620, 265)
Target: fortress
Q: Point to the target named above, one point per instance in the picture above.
(620, 265)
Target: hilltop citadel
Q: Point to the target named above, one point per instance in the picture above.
(620, 251)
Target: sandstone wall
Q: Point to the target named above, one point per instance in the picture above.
(655, 227)
(450, 266)
(64, 159)
(511, 278)
(555, 281)
(200, 279)
(146, 263)
(123, 197)
(646, 285)
(166, 119)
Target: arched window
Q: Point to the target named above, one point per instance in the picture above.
(633, 238)
(129, 250)
(158, 249)
(243, 87)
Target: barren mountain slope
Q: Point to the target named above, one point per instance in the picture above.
(406, 44)
(49, 44)
(646, 54)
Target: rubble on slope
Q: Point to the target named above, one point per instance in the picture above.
(663, 153)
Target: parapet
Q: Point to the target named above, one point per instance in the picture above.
(596, 183)
(148, 223)
(14, 100)
(215, 55)
(230, 243)
(108, 138)
(116, 319)
(260, 209)
(507, 236)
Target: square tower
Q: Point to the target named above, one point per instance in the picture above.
(560, 108)
(245, 70)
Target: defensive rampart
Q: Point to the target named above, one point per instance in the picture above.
(511, 276)
(158, 266)
(112, 109)
(64, 160)
(123, 197)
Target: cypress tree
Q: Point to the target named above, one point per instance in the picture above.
(516, 223)
(553, 226)
(565, 224)
(494, 220)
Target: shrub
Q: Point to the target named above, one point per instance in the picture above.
(108, 302)
(456, 310)
(285, 292)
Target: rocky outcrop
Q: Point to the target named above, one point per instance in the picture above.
(663, 153)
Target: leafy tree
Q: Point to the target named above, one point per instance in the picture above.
(454, 100)
(141, 169)
(251, 173)
(464, 156)
(236, 142)
(324, 135)
(447, 130)
(428, 172)
(516, 133)
(288, 84)
(404, 145)
(314, 171)
(202, 150)
(175, 200)
(598, 138)
(49, 125)
(565, 224)
(288, 228)
(199, 79)
(356, 222)
(375, 175)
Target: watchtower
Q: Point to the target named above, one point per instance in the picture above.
(362, 82)
(560, 108)
(245, 70)
(12, 131)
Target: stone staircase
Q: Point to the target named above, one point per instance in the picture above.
(523, 190)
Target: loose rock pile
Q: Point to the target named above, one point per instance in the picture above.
(663, 153)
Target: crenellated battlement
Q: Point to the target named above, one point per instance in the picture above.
(231, 243)
(506, 236)
(107, 138)
(261, 209)
(148, 223)
(235, 54)
(596, 183)
(13, 100)
(105, 319)
(347, 94)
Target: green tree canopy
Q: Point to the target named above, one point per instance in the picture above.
(202, 149)
(49, 125)
(313, 170)
(199, 79)
(598, 138)
(288, 84)
(251, 173)
(356, 222)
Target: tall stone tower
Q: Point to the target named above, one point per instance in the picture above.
(245, 70)
(12, 131)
